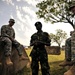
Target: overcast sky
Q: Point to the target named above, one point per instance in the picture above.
(23, 11)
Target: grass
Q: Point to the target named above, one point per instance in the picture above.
(56, 58)
(54, 61)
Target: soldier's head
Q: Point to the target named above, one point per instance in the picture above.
(38, 25)
(71, 32)
(11, 22)
(72, 7)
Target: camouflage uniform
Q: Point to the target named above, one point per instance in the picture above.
(6, 32)
(72, 9)
(73, 46)
(39, 53)
(68, 49)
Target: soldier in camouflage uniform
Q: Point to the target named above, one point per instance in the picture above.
(71, 71)
(8, 40)
(67, 52)
(38, 54)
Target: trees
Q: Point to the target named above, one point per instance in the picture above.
(59, 37)
(55, 11)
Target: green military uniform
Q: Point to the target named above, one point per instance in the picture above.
(73, 46)
(71, 71)
(6, 32)
(68, 49)
(39, 54)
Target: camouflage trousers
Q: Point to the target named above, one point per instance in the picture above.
(44, 66)
(70, 47)
(73, 48)
(68, 55)
(8, 45)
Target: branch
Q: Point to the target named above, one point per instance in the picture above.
(69, 21)
(54, 17)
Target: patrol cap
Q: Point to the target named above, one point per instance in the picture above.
(12, 20)
(72, 4)
(38, 23)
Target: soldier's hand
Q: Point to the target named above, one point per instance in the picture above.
(39, 42)
(36, 42)
(33, 43)
(11, 39)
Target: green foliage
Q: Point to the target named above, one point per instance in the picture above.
(55, 10)
(59, 37)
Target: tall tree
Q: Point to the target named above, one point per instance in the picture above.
(55, 11)
(59, 37)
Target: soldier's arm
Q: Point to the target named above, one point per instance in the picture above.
(3, 31)
(34, 40)
(14, 35)
(12, 38)
(48, 40)
(31, 43)
(48, 43)
(68, 43)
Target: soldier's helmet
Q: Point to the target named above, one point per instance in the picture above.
(72, 4)
(38, 23)
(12, 20)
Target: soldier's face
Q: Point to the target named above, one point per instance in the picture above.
(11, 23)
(73, 10)
(38, 27)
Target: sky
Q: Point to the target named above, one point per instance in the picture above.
(23, 11)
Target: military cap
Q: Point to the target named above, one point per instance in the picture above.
(12, 20)
(38, 23)
(72, 4)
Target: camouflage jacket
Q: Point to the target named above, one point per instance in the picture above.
(68, 44)
(7, 31)
(38, 49)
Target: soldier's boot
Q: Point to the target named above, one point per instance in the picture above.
(8, 60)
(71, 71)
(65, 63)
(22, 57)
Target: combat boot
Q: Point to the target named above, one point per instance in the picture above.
(66, 63)
(8, 60)
(22, 57)
(71, 71)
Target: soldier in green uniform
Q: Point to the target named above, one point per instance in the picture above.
(68, 56)
(71, 71)
(38, 54)
(8, 40)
